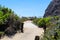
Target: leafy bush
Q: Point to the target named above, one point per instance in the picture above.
(1, 33)
(56, 17)
(41, 22)
(7, 19)
(35, 21)
(53, 33)
(52, 25)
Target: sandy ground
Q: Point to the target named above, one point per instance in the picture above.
(30, 31)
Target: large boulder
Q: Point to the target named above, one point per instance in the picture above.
(53, 8)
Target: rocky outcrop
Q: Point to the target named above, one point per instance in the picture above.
(53, 8)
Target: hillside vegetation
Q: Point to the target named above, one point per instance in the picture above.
(51, 26)
(9, 22)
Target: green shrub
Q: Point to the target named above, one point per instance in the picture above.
(1, 33)
(7, 16)
(44, 21)
(56, 17)
(53, 32)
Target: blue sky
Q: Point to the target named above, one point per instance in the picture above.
(27, 8)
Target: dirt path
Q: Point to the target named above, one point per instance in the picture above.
(30, 31)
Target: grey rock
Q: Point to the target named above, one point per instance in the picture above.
(53, 9)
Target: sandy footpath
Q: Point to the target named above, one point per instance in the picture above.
(30, 31)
